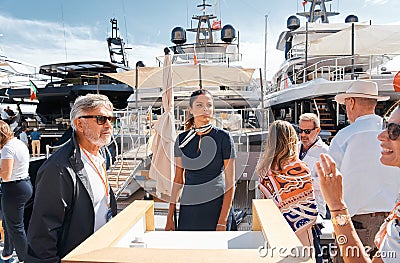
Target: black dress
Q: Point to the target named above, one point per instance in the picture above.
(202, 196)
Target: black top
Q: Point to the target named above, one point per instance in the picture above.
(203, 160)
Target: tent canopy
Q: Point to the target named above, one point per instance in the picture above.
(368, 40)
(186, 76)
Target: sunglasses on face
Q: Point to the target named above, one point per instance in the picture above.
(393, 131)
(306, 131)
(100, 119)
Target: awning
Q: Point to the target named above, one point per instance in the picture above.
(187, 76)
(368, 40)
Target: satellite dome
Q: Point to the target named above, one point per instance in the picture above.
(293, 23)
(228, 33)
(178, 35)
(351, 19)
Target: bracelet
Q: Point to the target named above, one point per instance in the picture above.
(221, 225)
(338, 210)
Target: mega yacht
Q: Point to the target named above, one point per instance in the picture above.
(212, 62)
(68, 80)
(323, 59)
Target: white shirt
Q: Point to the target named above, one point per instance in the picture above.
(17, 150)
(368, 185)
(101, 201)
(4, 115)
(311, 158)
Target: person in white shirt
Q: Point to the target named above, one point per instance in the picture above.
(5, 117)
(16, 192)
(355, 149)
(310, 147)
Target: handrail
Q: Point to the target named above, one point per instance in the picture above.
(48, 148)
(333, 71)
(203, 57)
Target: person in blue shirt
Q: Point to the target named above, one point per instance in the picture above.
(204, 169)
(35, 137)
(24, 137)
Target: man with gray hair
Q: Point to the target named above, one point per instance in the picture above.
(310, 148)
(356, 150)
(73, 198)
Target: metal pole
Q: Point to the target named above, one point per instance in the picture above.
(200, 81)
(265, 48)
(352, 51)
(262, 101)
(98, 83)
(138, 65)
(306, 49)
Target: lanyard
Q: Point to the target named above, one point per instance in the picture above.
(105, 183)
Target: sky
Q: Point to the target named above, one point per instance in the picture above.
(55, 31)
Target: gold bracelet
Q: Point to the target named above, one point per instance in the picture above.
(221, 225)
(338, 210)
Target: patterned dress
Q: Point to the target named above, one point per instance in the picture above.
(292, 192)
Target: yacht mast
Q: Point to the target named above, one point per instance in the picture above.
(317, 10)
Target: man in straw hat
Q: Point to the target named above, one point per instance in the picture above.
(356, 150)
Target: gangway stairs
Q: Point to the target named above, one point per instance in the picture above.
(121, 175)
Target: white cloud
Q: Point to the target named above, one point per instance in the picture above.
(253, 57)
(376, 2)
(40, 43)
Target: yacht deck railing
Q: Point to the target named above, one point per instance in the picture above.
(332, 69)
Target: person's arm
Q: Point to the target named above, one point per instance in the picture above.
(350, 244)
(6, 169)
(175, 193)
(53, 198)
(229, 169)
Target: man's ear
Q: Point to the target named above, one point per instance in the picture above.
(78, 124)
(352, 102)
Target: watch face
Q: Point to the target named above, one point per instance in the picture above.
(341, 220)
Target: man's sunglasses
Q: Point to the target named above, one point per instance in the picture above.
(100, 119)
(393, 131)
(306, 131)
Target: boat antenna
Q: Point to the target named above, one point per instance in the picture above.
(317, 10)
(265, 48)
(187, 15)
(65, 39)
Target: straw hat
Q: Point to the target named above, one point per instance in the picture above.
(361, 89)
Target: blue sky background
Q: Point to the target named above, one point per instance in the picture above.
(51, 31)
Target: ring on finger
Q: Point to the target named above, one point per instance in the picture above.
(330, 175)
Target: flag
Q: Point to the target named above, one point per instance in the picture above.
(216, 24)
(195, 56)
(304, 3)
(33, 90)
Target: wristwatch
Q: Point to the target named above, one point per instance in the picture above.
(341, 220)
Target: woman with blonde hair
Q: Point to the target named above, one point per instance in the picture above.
(17, 190)
(287, 180)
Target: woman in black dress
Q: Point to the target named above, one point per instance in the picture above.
(204, 168)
